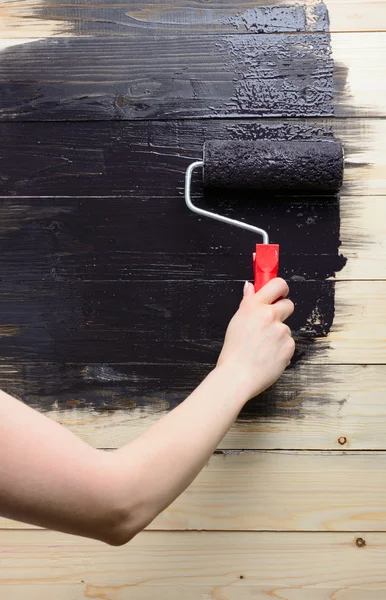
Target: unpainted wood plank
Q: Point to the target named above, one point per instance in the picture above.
(284, 491)
(150, 158)
(348, 338)
(43, 18)
(247, 592)
(311, 406)
(169, 77)
(363, 237)
(230, 566)
(356, 90)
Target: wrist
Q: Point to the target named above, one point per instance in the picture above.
(235, 381)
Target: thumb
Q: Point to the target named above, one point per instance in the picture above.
(248, 290)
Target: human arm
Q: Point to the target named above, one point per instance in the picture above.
(50, 477)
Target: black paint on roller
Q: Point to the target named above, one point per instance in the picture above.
(274, 166)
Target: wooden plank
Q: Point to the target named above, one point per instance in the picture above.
(283, 75)
(117, 239)
(230, 566)
(347, 339)
(284, 491)
(143, 321)
(247, 592)
(107, 159)
(357, 91)
(181, 321)
(167, 77)
(363, 238)
(38, 18)
(310, 407)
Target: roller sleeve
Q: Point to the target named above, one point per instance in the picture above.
(314, 167)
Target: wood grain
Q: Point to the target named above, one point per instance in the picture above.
(311, 407)
(192, 592)
(363, 238)
(194, 76)
(168, 77)
(43, 18)
(109, 159)
(230, 566)
(68, 285)
(281, 491)
(347, 339)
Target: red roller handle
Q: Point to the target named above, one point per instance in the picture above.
(265, 264)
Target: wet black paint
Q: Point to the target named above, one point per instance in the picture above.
(141, 158)
(280, 75)
(151, 321)
(128, 296)
(157, 239)
(273, 19)
(138, 18)
(168, 77)
(273, 166)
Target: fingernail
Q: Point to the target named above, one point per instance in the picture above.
(246, 284)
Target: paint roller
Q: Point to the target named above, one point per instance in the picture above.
(270, 167)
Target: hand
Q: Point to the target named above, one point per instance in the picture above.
(258, 346)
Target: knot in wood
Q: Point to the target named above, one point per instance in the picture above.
(122, 101)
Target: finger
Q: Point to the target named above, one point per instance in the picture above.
(284, 308)
(248, 289)
(272, 291)
(292, 351)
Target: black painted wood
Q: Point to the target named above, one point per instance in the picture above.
(136, 239)
(168, 77)
(138, 279)
(122, 158)
(106, 387)
(151, 321)
(109, 17)
(24, 264)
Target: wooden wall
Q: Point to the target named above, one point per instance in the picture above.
(114, 299)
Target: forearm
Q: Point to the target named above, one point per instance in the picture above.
(48, 476)
(65, 484)
(51, 478)
(170, 454)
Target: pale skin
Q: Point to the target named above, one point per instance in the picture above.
(50, 477)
